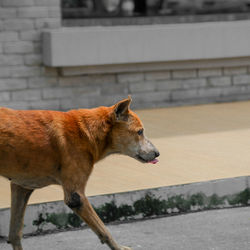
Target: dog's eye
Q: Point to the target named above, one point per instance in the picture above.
(140, 132)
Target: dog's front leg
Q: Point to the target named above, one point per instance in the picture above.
(19, 199)
(74, 179)
(80, 205)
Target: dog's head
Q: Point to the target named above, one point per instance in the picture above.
(128, 135)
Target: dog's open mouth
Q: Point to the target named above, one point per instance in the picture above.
(153, 161)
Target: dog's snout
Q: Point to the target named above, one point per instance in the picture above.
(157, 153)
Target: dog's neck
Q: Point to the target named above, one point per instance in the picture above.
(96, 125)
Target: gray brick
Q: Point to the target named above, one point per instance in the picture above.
(233, 90)
(17, 3)
(158, 75)
(5, 72)
(151, 97)
(55, 11)
(25, 71)
(209, 92)
(42, 82)
(26, 95)
(235, 70)
(178, 95)
(67, 104)
(194, 83)
(48, 23)
(30, 35)
(47, 104)
(246, 89)
(21, 47)
(47, 2)
(13, 84)
(130, 77)
(86, 92)
(6, 13)
(18, 24)
(169, 85)
(114, 88)
(51, 93)
(4, 96)
(219, 81)
(182, 74)
(33, 59)
(33, 12)
(6, 36)
(87, 80)
(181, 84)
(16, 105)
(141, 87)
(210, 72)
(241, 79)
(9, 60)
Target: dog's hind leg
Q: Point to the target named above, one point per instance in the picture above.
(19, 200)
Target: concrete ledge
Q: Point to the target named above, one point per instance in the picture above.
(137, 204)
(142, 44)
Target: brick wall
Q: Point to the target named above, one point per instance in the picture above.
(154, 88)
(22, 75)
(26, 84)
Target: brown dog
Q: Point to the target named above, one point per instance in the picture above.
(39, 148)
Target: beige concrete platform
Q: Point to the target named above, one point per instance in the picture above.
(197, 143)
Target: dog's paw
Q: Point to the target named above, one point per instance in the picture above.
(125, 248)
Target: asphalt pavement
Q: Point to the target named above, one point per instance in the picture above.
(225, 229)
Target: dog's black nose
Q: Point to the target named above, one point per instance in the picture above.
(157, 153)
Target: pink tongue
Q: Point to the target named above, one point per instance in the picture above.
(154, 161)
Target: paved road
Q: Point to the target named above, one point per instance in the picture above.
(227, 229)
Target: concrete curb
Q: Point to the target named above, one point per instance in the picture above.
(137, 204)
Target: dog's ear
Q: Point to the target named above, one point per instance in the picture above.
(121, 109)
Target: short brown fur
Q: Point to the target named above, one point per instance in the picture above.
(39, 148)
